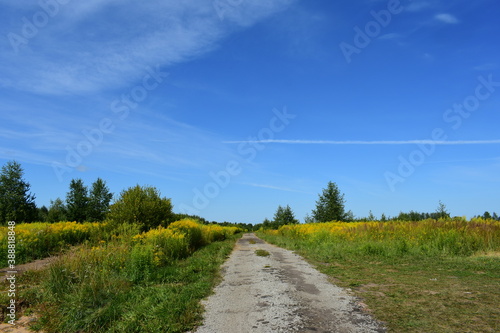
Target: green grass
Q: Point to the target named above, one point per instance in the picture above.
(122, 297)
(262, 253)
(412, 292)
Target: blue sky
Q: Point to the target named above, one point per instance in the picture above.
(233, 107)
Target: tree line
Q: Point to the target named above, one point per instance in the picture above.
(17, 203)
(140, 205)
(145, 206)
(330, 206)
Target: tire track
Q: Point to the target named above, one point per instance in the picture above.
(279, 293)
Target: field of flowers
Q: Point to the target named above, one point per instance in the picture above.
(120, 283)
(178, 240)
(39, 240)
(428, 237)
(121, 279)
(404, 271)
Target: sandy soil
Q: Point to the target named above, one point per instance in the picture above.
(23, 323)
(279, 293)
(21, 326)
(31, 266)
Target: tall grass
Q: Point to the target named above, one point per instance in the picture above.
(395, 238)
(120, 285)
(426, 276)
(39, 240)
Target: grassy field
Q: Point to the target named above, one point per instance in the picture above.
(148, 282)
(428, 276)
(40, 240)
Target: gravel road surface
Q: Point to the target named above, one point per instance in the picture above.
(279, 293)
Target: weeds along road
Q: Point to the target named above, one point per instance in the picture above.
(280, 292)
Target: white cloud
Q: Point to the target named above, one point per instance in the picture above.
(391, 35)
(447, 18)
(96, 45)
(417, 6)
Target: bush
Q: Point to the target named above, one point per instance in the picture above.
(192, 231)
(166, 244)
(142, 205)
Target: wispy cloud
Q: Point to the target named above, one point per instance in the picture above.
(88, 47)
(417, 6)
(447, 18)
(391, 35)
(376, 142)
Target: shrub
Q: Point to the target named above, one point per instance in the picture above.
(192, 231)
(166, 244)
(142, 205)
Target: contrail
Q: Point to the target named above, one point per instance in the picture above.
(383, 142)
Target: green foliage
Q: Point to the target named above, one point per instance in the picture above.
(262, 253)
(57, 211)
(405, 270)
(284, 216)
(16, 202)
(99, 199)
(120, 287)
(43, 212)
(191, 230)
(142, 205)
(39, 240)
(141, 265)
(330, 205)
(77, 201)
(441, 212)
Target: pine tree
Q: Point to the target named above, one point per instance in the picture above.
(16, 202)
(77, 201)
(441, 211)
(284, 216)
(266, 224)
(330, 205)
(99, 199)
(42, 214)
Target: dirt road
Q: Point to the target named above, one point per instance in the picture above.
(279, 293)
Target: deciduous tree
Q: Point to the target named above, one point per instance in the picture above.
(142, 205)
(57, 211)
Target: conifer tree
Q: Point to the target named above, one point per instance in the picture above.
(330, 205)
(99, 199)
(17, 203)
(77, 201)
